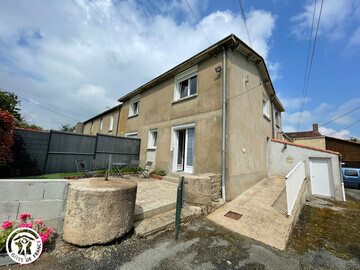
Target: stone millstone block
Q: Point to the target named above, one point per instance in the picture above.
(98, 211)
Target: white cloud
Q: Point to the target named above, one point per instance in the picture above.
(343, 134)
(84, 55)
(336, 19)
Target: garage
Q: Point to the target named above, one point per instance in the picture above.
(321, 177)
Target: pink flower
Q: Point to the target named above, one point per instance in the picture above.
(6, 224)
(38, 221)
(26, 225)
(24, 216)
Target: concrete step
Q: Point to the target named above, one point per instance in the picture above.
(152, 210)
(171, 179)
(161, 222)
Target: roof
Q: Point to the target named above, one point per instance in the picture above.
(303, 134)
(103, 113)
(229, 41)
(305, 146)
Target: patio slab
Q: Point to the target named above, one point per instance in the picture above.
(153, 197)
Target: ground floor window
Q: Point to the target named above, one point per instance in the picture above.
(131, 135)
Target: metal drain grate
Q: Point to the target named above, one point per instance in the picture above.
(233, 215)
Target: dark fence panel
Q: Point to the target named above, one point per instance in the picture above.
(121, 150)
(28, 154)
(36, 152)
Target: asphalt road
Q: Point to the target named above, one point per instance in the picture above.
(355, 193)
(201, 245)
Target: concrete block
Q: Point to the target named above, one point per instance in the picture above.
(44, 209)
(21, 190)
(56, 190)
(8, 211)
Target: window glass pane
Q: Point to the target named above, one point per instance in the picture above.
(136, 107)
(266, 107)
(154, 138)
(190, 147)
(184, 86)
(111, 123)
(193, 85)
(101, 123)
(350, 173)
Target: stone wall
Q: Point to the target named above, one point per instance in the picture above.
(42, 199)
(202, 189)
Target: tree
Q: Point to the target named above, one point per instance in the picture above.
(354, 139)
(7, 125)
(67, 128)
(10, 102)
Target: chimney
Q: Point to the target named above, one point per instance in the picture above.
(316, 127)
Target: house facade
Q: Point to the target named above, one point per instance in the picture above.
(179, 116)
(106, 122)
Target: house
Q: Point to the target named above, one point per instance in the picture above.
(350, 151)
(186, 127)
(106, 122)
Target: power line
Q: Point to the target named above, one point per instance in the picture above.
(340, 116)
(198, 22)
(307, 64)
(43, 107)
(245, 91)
(312, 58)
(243, 15)
(343, 128)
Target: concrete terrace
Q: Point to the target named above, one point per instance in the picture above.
(263, 209)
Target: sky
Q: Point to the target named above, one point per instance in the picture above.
(77, 58)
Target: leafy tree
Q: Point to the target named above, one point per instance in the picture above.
(67, 128)
(6, 136)
(9, 102)
(354, 139)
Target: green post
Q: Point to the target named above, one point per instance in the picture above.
(179, 204)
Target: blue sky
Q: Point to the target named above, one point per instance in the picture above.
(78, 57)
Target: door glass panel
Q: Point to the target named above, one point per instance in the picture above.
(190, 147)
(193, 85)
(181, 147)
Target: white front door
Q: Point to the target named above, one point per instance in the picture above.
(321, 177)
(183, 147)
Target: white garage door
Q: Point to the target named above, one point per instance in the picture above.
(321, 177)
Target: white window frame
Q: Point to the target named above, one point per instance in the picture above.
(111, 123)
(131, 108)
(152, 139)
(185, 75)
(92, 127)
(131, 134)
(266, 107)
(101, 124)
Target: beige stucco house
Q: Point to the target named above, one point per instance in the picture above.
(179, 116)
(106, 122)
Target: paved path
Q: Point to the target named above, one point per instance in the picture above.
(355, 193)
(260, 220)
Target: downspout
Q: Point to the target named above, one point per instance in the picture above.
(342, 179)
(273, 118)
(117, 128)
(223, 153)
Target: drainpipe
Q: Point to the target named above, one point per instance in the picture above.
(342, 179)
(223, 125)
(117, 128)
(273, 117)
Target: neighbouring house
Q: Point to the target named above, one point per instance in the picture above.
(350, 151)
(106, 122)
(179, 116)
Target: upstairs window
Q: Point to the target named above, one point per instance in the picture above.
(266, 107)
(277, 117)
(134, 106)
(92, 128)
(186, 83)
(111, 123)
(101, 124)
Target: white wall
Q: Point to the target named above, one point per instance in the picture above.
(282, 160)
(42, 199)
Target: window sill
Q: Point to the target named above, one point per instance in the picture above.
(131, 116)
(266, 117)
(110, 130)
(151, 148)
(184, 98)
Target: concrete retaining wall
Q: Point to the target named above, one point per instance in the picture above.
(42, 199)
(202, 189)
